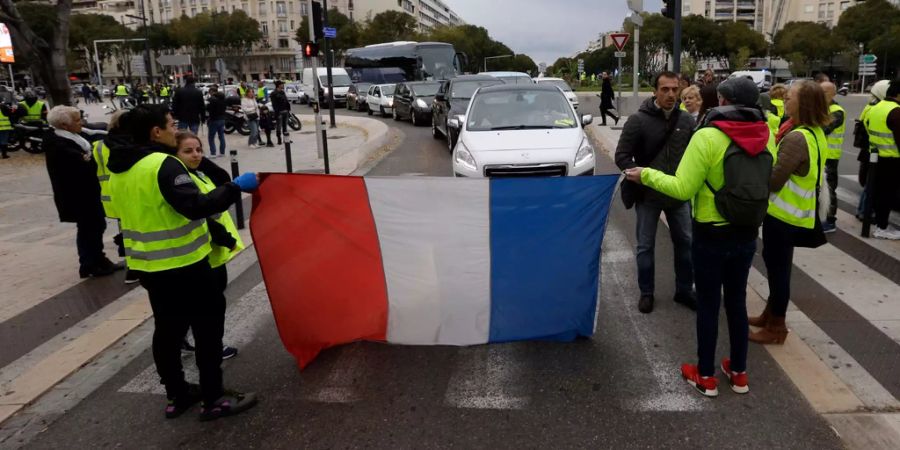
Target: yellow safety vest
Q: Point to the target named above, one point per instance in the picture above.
(773, 121)
(101, 156)
(836, 138)
(156, 237)
(121, 91)
(33, 112)
(242, 91)
(779, 106)
(164, 91)
(219, 255)
(5, 124)
(881, 138)
(795, 203)
(261, 93)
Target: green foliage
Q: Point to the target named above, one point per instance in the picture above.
(867, 21)
(389, 26)
(802, 43)
(887, 47)
(348, 32)
(41, 17)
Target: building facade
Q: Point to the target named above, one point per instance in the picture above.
(769, 16)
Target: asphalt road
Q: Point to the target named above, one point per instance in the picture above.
(619, 389)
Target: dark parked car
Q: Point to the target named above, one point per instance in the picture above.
(452, 99)
(413, 101)
(356, 96)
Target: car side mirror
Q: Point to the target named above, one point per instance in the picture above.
(453, 123)
(586, 120)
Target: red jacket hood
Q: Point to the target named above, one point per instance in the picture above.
(752, 137)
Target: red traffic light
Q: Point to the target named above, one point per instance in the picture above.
(310, 49)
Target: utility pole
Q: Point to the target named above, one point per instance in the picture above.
(321, 133)
(636, 7)
(329, 61)
(143, 18)
(676, 44)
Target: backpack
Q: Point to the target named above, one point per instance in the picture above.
(744, 198)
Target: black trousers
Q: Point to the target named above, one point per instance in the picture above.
(281, 127)
(89, 240)
(831, 177)
(183, 298)
(887, 188)
(778, 254)
(605, 112)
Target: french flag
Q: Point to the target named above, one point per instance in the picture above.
(429, 261)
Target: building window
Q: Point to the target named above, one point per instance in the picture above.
(264, 28)
(261, 8)
(291, 7)
(286, 64)
(193, 12)
(808, 9)
(844, 6)
(244, 7)
(283, 43)
(204, 9)
(281, 9)
(282, 26)
(292, 25)
(304, 9)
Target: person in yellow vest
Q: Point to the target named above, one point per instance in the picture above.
(32, 109)
(772, 120)
(167, 240)
(834, 132)
(122, 93)
(882, 123)
(261, 93)
(878, 91)
(794, 188)
(164, 94)
(723, 244)
(6, 115)
(776, 94)
(242, 89)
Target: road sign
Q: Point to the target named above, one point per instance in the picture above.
(330, 33)
(866, 66)
(619, 40)
(220, 66)
(619, 54)
(867, 59)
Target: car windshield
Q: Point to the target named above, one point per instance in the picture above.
(388, 89)
(520, 110)
(520, 79)
(362, 88)
(464, 90)
(426, 90)
(337, 79)
(558, 83)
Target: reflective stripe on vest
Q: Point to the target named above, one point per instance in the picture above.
(880, 136)
(795, 203)
(219, 255)
(101, 156)
(156, 237)
(836, 138)
(121, 90)
(779, 106)
(33, 112)
(5, 124)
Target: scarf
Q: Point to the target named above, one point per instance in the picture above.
(785, 128)
(82, 142)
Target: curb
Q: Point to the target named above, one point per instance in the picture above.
(377, 135)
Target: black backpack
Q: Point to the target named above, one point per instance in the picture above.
(744, 198)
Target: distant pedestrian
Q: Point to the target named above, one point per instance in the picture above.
(282, 110)
(656, 137)
(883, 126)
(188, 107)
(861, 141)
(731, 151)
(251, 111)
(834, 133)
(215, 110)
(690, 99)
(96, 94)
(776, 97)
(267, 123)
(793, 204)
(86, 92)
(607, 95)
(76, 190)
(709, 79)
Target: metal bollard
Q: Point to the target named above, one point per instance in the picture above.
(870, 181)
(287, 151)
(239, 205)
(325, 150)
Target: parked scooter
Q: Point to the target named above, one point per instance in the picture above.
(293, 120)
(236, 120)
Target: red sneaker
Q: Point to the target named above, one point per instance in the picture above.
(707, 386)
(738, 381)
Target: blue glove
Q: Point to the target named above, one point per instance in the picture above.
(247, 182)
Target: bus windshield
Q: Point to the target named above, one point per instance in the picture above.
(411, 61)
(437, 62)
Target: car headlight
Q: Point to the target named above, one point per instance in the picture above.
(585, 153)
(390, 101)
(421, 103)
(464, 157)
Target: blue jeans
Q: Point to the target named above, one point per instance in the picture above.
(216, 127)
(254, 131)
(721, 265)
(193, 126)
(679, 219)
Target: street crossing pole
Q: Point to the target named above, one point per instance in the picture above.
(676, 43)
(329, 61)
(321, 133)
(239, 205)
(634, 81)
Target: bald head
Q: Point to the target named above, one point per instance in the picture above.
(830, 90)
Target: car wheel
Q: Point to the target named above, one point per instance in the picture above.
(381, 110)
(450, 141)
(434, 129)
(369, 110)
(412, 118)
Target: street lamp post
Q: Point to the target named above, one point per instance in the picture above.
(495, 57)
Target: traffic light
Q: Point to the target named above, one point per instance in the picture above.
(669, 8)
(316, 12)
(310, 49)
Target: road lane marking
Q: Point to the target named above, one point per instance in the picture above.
(487, 377)
(340, 386)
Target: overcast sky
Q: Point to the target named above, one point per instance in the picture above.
(546, 29)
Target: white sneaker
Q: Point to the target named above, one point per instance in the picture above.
(889, 233)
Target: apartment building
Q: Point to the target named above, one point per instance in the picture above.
(428, 13)
(769, 16)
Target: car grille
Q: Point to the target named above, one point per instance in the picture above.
(530, 170)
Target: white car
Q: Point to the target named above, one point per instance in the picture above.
(381, 98)
(521, 130)
(560, 83)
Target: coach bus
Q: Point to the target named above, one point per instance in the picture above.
(411, 61)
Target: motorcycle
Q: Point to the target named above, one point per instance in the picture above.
(28, 136)
(845, 89)
(293, 120)
(235, 120)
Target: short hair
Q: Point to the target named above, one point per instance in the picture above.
(664, 74)
(812, 109)
(691, 90)
(144, 118)
(822, 76)
(189, 80)
(778, 91)
(893, 89)
(184, 135)
(62, 116)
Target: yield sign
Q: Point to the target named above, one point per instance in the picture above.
(619, 39)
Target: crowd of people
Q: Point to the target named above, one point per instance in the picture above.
(729, 160)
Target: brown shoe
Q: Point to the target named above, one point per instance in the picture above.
(775, 332)
(762, 319)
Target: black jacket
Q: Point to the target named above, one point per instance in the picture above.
(607, 95)
(187, 105)
(219, 235)
(175, 184)
(279, 101)
(76, 190)
(215, 109)
(649, 140)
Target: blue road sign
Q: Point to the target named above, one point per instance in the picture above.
(330, 32)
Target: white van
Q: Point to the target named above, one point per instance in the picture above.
(762, 78)
(340, 80)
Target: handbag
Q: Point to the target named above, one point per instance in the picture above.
(252, 116)
(814, 237)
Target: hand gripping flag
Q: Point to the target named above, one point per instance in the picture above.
(429, 261)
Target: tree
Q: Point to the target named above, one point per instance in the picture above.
(887, 48)
(47, 50)
(348, 32)
(702, 38)
(803, 43)
(85, 29)
(656, 43)
(229, 36)
(476, 43)
(742, 42)
(389, 26)
(868, 20)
